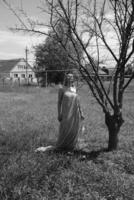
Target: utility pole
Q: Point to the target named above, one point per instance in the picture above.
(26, 52)
(21, 6)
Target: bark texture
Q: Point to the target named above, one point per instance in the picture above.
(114, 123)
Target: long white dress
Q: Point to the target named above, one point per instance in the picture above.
(70, 113)
(71, 116)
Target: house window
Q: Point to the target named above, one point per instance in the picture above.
(22, 75)
(20, 66)
(15, 75)
(30, 76)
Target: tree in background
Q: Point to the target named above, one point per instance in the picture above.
(129, 69)
(89, 23)
(51, 56)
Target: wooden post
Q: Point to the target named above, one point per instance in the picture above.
(77, 81)
(46, 79)
(26, 51)
(19, 81)
(3, 80)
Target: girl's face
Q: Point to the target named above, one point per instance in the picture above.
(69, 79)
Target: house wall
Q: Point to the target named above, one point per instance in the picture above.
(21, 71)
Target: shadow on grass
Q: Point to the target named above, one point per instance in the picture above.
(82, 154)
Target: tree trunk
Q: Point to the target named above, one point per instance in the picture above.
(113, 123)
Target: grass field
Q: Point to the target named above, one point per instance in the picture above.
(28, 119)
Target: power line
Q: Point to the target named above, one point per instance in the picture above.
(33, 51)
(109, 59)
(21, 5)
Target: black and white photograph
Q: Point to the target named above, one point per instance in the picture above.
(66, 99)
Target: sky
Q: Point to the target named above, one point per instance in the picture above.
(13, 44)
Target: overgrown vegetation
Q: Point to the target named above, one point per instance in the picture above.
(28, 119)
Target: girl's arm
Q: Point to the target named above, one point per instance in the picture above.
(80, 110)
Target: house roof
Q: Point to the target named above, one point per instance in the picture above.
(7, 65)
(91, 71)
(101, 72)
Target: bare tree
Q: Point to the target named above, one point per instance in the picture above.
(89, 22)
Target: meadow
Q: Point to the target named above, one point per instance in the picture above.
(28, 119)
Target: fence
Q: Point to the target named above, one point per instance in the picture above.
(17, 82)
(5, 81)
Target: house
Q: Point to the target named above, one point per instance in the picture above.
(100, 70)
(16, 69)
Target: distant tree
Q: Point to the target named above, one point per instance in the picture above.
(129, 69)
(51, 56)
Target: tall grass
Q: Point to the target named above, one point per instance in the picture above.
(28, 119)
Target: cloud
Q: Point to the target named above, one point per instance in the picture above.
(21, 39)
(6, 55)
(14, 44)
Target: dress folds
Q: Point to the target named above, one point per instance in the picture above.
(70, 119)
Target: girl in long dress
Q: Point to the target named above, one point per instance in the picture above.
(69, 116)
